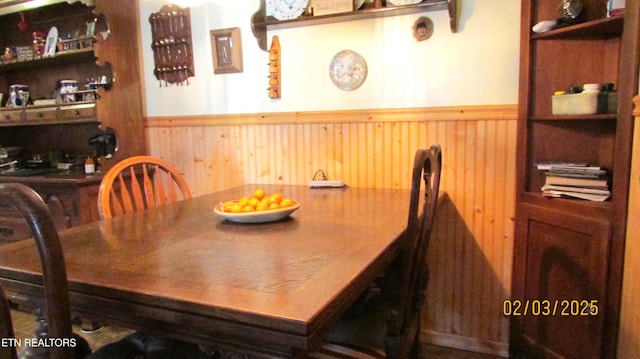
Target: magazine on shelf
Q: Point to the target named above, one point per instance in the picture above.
(576, 171)
(576, 182)
(545, 166)
(587, 196)
(592, 190)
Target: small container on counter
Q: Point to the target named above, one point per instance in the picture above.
(89, 166)
(19, 95)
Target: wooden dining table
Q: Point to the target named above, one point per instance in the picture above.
(257, 289)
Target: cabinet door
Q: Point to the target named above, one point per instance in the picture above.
(13, 227)
(560, 274)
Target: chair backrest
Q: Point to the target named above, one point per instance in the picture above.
(138, 183)
(30, 205)
(413, 270)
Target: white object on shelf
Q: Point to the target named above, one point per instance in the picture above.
(544, 25)
(615, 7)
(326, 183)
(328, 7)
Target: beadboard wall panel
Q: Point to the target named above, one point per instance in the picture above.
(471, 250)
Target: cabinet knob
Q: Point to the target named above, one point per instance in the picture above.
(76, 112)
(40, 114)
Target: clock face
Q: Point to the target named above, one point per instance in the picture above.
(286, 9)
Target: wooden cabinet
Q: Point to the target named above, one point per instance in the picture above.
(44, 130)
(568, 249)
(112, 53)
(71, 200)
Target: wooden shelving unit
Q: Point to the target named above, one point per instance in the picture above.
(260, 23)
(568, 249)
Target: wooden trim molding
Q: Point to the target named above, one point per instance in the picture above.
(457, 113)
(636, 106)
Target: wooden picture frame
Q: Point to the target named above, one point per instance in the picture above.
(226, 50)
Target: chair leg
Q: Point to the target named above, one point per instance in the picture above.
(88, 325)
(38, 352)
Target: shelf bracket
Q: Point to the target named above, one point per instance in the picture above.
(453, 15)
(257, 26)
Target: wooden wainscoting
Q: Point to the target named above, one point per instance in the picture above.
(472, 249)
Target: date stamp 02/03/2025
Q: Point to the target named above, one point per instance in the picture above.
(553, 307)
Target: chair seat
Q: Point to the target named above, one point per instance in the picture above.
(146, 346)
(366, 328)
(388, 324)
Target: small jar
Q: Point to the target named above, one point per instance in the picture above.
(591, 88)
(89, 166)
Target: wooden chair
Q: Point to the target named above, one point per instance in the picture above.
(388, 323)
(56, 310)
(56, 316)
(138, 183)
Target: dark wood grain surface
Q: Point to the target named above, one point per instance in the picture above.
(181, 270)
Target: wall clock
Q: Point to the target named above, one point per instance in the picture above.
(286, 9)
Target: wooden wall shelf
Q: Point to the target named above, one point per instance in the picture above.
(260, 23)
(14, 6)
(81, 112)
(600, 28)
(65, 57)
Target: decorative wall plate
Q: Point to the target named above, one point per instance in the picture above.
(347, 70)
(286, 9)
(403, 2)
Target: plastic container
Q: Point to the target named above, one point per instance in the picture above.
(585, 103)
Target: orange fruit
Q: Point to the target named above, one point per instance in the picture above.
(227, 206)
(276, 197)
(262, 206)
(248, 208)
(286, 202)
(244, 200)
(253, 202)
(259, 194)
(236, 208)
(274, 206)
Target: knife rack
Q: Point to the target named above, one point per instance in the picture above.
(172, 45)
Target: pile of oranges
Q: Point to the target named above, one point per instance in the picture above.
(259, 201)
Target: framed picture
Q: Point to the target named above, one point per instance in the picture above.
(226, 49)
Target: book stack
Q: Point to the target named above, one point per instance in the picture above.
(575, 180)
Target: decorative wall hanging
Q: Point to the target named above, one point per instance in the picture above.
(274, 69)
(423, 28)
(347, 70)
(226, 49)
(171, 44)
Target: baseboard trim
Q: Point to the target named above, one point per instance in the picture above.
(465, 343)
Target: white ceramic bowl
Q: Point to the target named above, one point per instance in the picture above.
(269, 215)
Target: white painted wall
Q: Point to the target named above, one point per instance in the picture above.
(476, 66)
